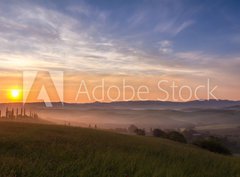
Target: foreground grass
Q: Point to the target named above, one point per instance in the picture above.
(29, 150)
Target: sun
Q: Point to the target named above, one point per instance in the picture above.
(14, 94)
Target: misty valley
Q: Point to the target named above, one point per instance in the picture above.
(195, 119)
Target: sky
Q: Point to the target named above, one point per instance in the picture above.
(142, 41)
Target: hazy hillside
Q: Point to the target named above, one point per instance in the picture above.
(28, 150)
(142, 113)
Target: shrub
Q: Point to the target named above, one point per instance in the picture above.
(212, 145)
(176, 136)
(140, 132)
(132, 128)
(159, 133)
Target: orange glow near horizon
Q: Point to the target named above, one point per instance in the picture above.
(11, 88)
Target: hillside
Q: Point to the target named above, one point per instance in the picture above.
(28, 150)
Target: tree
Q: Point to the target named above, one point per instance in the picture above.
(176, 136)
(132, 128)
(141, 132)
(159, 133)
(213, 145)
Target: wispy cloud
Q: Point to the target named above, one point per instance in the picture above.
(165, 47)
(183, 26)
(81, 8)
(173, 27)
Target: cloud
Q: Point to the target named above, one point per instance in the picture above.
(137, 18)
(213, 65)
(183, 26)
(173, 17)
(165, 47)
(173, 27)
(38, 37)
(165, 43)
(43, 38)
(82, 9)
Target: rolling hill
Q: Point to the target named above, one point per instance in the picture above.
(28, 150)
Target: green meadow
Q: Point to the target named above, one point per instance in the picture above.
(32, 150)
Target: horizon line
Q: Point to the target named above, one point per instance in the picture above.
(57, 102)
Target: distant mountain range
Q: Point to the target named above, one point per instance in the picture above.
(198, 104)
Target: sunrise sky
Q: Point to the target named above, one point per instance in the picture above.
(140, 41)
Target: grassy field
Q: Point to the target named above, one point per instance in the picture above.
(30, 150)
